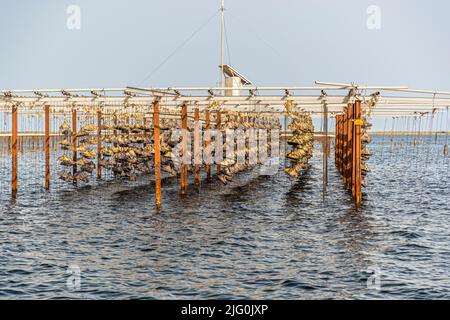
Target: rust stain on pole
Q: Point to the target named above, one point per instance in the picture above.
(208, 143)
(99, 144)
(184, 149)
(14, 151)
(157, 147)
(197, 159)
(47, 147)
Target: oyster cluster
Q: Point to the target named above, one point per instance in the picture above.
(127, 146)
(302, 141)
(128, 150)
(82, 165)
(241, 122)
(366, 153)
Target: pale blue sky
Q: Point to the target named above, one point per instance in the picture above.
(283, 42)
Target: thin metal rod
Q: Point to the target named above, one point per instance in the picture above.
(222, 45)
(15, 153)
(325, 148)
(47, 147)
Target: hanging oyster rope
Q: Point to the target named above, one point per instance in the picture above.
(366, 139)
(302, 141)
(85, 164)
(128, 146)
(240, 122)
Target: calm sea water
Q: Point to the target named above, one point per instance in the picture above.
(261, 237)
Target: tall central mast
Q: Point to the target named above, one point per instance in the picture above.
(222, 44)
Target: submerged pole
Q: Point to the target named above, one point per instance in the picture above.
(157, 147)
(47, 147)
(184, 149)
(197, 159)
(14, 153)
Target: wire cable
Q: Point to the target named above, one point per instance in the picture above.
(177, 49)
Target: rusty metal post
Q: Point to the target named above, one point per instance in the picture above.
(14, 153)
(348, 151)
(357, 153)
(74, 140)
(219, 146)
(345, 144)
(157, 147)
(353, 150)
(47, 147)
(338, 142)
(325, 147)
(197, 159)
(184, 149)
(208, 143)
(99, 144)
(341, 142)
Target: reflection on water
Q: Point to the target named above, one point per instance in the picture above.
(259, 237)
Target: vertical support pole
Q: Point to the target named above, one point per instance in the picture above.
(99, 144)
(197, 159)
(219, 147)
(157, 147)
(14, 153)
(47, 147)
(184, 149)
(341, 138)
(325, 147)
(74, 139)
(345, 145)
(348, 149)
(354, 151)
(208, 143)
(336, 141)
(357, 152)
(350, 144)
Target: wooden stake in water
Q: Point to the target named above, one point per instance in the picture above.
(47, 147)
(184, 149)
(157, 148)
(15, 152)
